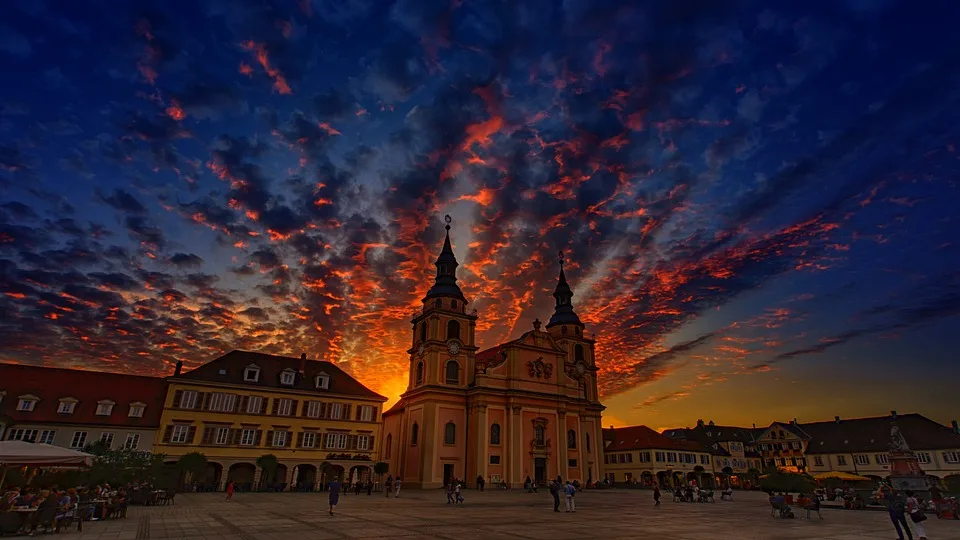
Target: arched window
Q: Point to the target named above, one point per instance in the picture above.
(578, 353)
(453, 329)
(414, 434)
(452, 372)
(453, 305)
(450, 433)
(423, 332)
(495, 434)
(538, 435)
(419, 375)
(587, 436)
(571, 439)
(386, 453)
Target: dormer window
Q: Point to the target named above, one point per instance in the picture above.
(67, 406)
(136, 409)
(288, 376)
(27, 403)
(251, 373)
(322, 381)
(105, 407)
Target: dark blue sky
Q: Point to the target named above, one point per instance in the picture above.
(758, 203)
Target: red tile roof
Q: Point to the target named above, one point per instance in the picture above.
(271, 366)
(873, 434)
(644, 438)
(87, 387)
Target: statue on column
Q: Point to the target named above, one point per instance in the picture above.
(897, 442)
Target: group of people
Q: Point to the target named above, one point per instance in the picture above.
(453, 492)
(569, 494)
(899, 506)
(53, 506)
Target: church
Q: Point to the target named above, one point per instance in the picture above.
(525, 408)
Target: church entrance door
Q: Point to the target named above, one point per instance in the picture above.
(447, 474)
(540, 470)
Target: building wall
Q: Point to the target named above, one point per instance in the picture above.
(634, 464)
(872, 463)
(64, 434)
(788, 458)
(227, 455)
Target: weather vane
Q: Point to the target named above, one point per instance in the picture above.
(448, 219)
(561, 258)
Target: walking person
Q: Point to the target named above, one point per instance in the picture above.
(555, 492)
(570, 491)
(449, 491)
(896, 508)
(369, 487)
(229, 490)
(480, 482)
(456, 492)
(388, 486)
(916, 514)
(396, 485)
(656, 495)
(334, 494)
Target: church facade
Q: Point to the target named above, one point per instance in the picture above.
(525, 408)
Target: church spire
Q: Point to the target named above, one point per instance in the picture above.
(446, 281)
(563, 313)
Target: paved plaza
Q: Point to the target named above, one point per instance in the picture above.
(608, 515)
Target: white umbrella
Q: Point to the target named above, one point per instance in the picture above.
(20, 453)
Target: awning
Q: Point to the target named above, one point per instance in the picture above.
(840, 475)
(19, 453)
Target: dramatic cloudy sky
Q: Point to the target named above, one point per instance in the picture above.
(759, 205)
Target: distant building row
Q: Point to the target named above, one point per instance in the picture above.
(717, 455)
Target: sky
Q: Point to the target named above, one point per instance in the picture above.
(755, 200)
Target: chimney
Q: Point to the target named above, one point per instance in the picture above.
(303, 363)
(956, 427)
(178, 369)
(794, 421)
(754, 425)
(712, 424)
(836, 419)
(700, 423)
(893, 414)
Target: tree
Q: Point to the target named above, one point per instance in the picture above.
(953, 483)
(268, 464)
(193, 464)
(787, 482)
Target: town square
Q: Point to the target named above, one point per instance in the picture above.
(479, 269)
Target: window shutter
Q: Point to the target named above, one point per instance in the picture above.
(177, 396)
(303, 409)
(288, 440)
(323, 410)
(293, 408)
(256, 437)
(202, 400)
(351, 442)
(167, 432)
(346, 411)
(300, 440)
(276, 405)
(356, 415)
(235, 435)
(269, 441)
(370, 445)
(242, 404)
(191, 433)
(207, 437)
(236, 403)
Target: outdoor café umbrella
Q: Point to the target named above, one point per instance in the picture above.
(840, 475)
(21, 453)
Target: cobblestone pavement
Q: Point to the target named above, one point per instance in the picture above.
(608, 515)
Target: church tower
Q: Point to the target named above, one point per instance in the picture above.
(567, 329)
(443, 347)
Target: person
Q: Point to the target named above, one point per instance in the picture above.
(555, 491)
(656, 495)
(229, 490)
(480, 482)
(916, 514)
(334, 494)
(357, 487)
(526, 485)
(449, 492)
(456, 491)
(896, 507)
(570, 492)
(369, 487)
(396, 485)
(388, 485)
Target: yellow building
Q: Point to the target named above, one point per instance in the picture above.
(782, 445)
(861, 445)
(315, 418)
(640, 455)
(733, 449)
